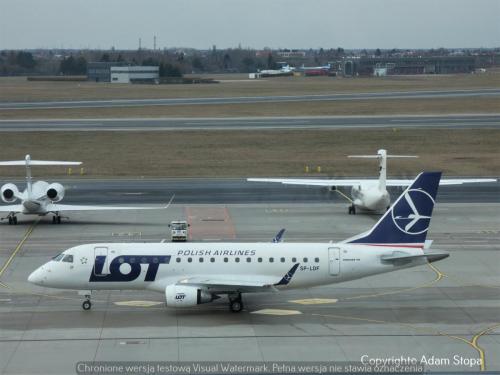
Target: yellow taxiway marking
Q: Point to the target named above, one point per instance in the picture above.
(439, 277)
(473, 342)
(138, 303)
(314, 301)
(276, 312)
(18, 247)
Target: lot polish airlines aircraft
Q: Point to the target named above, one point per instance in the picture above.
(41, 198)
(190, 274)
(367, 194)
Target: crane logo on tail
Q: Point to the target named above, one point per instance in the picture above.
(406, 216)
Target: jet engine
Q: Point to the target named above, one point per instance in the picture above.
(186, 296)
(55, 192)
(9, 193)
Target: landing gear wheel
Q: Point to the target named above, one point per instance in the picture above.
(236, 303)
(58, 219)
(10, 220)
(14, 220)
(86, 305)
(53, 219)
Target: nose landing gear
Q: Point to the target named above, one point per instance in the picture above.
(86, 305)
(352, 210)
(56, 219)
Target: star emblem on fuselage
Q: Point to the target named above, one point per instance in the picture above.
(83, 260)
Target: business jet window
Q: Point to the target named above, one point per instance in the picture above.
(178, 260)
(249, 260)
(294, 260)
(316, 260)
(271, 260)
(282, 260)
(201, 260)
(190, 260)
(57, 258)
(237, 260)
(305, 260)
(68, 259)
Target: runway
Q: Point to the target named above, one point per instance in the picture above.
(455, 121)
(252, 99)
(442, 311)
(234, 190)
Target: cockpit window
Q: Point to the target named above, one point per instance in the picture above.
(68, 259)
(57, 258)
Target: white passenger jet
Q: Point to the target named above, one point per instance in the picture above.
(41, 198)
(367, 194)
(190, 274)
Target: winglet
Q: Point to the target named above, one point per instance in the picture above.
(279, 236)
(288, 276)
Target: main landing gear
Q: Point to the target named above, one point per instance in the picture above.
(86, 305)
(235, 303)
(352, 209)
(12, 219)
(56, 219)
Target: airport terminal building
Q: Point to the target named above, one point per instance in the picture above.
(120, 72)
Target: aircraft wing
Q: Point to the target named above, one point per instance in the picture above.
(12, 208)
(53, 207)
(228, 283)
(353, 182)
(314, 182)
(444, 181)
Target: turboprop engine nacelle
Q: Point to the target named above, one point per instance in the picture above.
(9, 193)
(186, 296)
(55, 192)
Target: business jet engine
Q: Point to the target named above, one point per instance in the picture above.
(186, 296)
(55, 192)
(9, 193)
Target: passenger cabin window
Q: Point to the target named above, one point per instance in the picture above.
(225, 260)
(282, 260)
(294, 260)
(259, 260)
(68, 259)
(249, 260)
(237, 260)
(190, 260)
(305, 260)
(212, 260)
(178, 260)
(201, 260)
(271, 260)
(316, 260)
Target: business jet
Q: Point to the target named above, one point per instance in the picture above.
(190, 274)
(41, 198)
(367, 194)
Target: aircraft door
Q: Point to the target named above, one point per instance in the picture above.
(101, 261)
(334, 261)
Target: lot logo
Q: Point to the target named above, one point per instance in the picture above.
(180, 296)
(126, 268)
(407, 218)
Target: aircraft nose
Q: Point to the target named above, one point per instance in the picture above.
(37, 277)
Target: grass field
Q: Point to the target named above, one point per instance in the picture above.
(19, 89)
(318, 108)
(250, 153)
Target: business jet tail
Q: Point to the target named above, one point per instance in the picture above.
(406, 222)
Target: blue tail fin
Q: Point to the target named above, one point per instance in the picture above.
(407, 220)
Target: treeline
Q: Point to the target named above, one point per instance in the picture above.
(175, 63)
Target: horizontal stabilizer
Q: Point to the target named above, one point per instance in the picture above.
(401, 255)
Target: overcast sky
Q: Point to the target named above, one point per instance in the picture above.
(255, 23)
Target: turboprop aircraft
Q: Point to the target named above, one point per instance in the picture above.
(41, 198)
(367, 194)
(190, 274)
